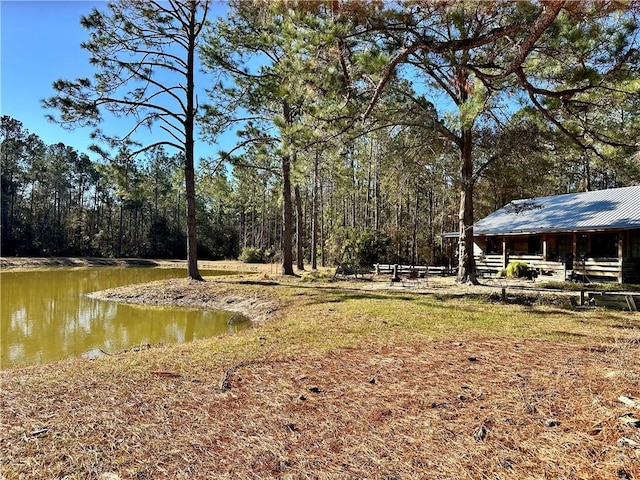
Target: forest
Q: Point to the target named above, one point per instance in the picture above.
(373, 125)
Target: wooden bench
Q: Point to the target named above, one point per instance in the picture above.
(442, 271)
(383, 268)
(415, 278)
(619, 300)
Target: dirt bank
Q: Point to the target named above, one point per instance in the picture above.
(211, 294)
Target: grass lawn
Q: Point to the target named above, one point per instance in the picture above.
(344, 380)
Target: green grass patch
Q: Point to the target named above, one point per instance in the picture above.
(320, 275)
(331, 318)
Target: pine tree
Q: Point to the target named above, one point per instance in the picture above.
(145, 57)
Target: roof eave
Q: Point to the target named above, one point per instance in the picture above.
(558, 231)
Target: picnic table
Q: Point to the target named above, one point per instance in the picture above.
(404, 275)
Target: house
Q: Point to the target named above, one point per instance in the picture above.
(591, 234)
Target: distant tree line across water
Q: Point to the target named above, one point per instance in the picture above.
(56, 201)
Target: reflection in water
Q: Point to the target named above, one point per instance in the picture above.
(46, 316)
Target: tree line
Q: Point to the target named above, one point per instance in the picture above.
(57, 201)
(360, 124)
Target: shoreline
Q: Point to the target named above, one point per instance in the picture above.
(28, 263)
(214, 293)
(211, 294)
(268, 275)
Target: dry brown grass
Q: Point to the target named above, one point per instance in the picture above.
(344, 384)
(481, 408)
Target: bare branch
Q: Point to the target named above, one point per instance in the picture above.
(551, 11)
(157, 144)
(437, 47)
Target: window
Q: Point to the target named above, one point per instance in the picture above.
(518, 245)
(564, 247)
(634, 247)
(494, 245)
(604, 245)
(534, 245)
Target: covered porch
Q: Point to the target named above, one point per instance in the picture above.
(591, 256)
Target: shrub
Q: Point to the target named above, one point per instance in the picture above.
(371, 247)
(324, 275)
(517, 269)
(252, 255)
(359, 248)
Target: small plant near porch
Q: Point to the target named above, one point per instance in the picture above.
(519, 269)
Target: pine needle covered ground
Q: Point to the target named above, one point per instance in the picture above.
(344, 380)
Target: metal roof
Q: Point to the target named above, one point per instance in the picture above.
(616, 208)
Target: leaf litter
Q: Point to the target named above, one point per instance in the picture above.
(520, 409)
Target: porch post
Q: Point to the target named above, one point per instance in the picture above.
(574, 251)
(621, 236)
(544, 248)
(505, 255)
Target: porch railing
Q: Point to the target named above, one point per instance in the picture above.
(597, 267)
(489, 264)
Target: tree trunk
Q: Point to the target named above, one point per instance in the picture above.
(416, 221)
(376, 195)
(252, 217)
(189, 171)
(120, 228)
(467, 265)
(323, 252)
(11, 217)
(430, 228)
(354, 195)
(96, 207)
(79, 210)
(299, 229)
(367, 205)
(287, 207)
(585, 183)
(314, 216)
(287, 218)
(264, 235)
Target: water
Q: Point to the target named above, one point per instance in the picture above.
(46, 316)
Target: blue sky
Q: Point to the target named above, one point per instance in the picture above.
(40, 43)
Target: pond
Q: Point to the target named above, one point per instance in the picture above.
(46, 316)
